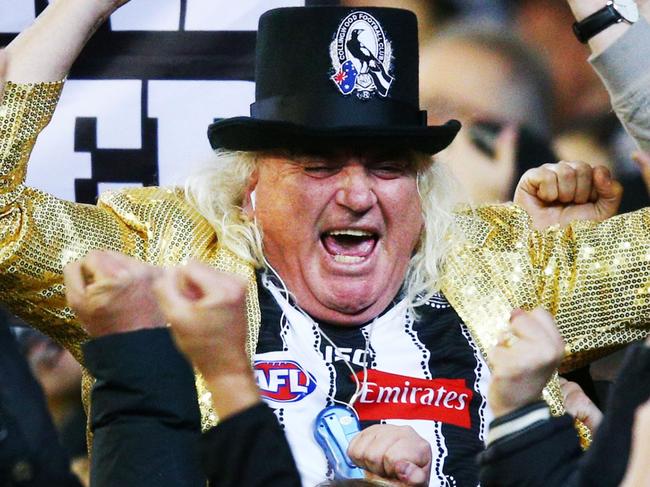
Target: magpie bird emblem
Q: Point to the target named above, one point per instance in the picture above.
(361, 57)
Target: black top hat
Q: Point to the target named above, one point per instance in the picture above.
(335, 76)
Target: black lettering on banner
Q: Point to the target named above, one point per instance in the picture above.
(184, 109)
(166, 55)
(39, 6)
(116, 165)
(182, 14)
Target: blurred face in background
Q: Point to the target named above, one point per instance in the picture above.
(54, 367)
(464, 81)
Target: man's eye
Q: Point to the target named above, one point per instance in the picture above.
(317, 170)
(389, 169)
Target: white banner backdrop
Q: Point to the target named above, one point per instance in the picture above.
(137, 104)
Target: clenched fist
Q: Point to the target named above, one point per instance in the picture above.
(206, 309)
(112, 293)
(393, 453)
(557, 194)
(524, 360)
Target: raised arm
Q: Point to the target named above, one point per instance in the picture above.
(144, 416)
(594, 277)
(40, 234)
(46, 50)
(584, 8)
(206, 310)
(621, 57)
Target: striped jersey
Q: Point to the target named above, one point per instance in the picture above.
(423, 371)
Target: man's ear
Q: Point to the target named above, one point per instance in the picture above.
(248, 203)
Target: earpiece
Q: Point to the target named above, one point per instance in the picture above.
(252, 197)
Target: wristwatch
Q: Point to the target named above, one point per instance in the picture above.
(614, 12)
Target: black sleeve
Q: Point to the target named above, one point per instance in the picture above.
(144, 412)
(249, 449)
(549, 454)
(545, 455)
(30, 451)
(605, 462)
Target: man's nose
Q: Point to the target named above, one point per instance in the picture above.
(357, 189)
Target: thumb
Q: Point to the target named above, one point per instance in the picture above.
(171, 299)
(609, 192)
(209, 284)
(188, 286)
(100, 265)
(197, 280)
(410, 474)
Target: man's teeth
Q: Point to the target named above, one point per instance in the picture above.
(347, 259)
(351, 232)
(349, 245)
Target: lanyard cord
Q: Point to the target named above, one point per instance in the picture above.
(358, 385)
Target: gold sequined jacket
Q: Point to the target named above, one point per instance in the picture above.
(595, 278)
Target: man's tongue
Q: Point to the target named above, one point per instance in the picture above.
(348, 245)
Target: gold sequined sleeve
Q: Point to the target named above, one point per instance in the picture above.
(594, 277)
(40, 234)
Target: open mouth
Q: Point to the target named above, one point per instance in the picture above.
(349, 246)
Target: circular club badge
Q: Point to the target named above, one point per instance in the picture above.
(361, 57)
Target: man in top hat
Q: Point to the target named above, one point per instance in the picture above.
(364, 289)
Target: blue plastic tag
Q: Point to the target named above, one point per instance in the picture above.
(334, 429)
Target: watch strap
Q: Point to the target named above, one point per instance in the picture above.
(596, 23)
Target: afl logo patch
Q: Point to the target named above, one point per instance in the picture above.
(283, 381)
(361, 57)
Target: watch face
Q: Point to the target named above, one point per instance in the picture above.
(627, 9)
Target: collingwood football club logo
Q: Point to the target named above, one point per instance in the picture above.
(361, 57)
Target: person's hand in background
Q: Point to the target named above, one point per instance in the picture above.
(206, 309)
(578, 405)
(523, 360)
(112, 293)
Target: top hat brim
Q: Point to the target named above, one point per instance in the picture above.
(251, 134)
